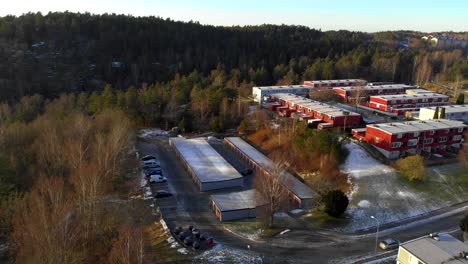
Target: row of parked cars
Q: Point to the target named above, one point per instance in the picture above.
(152, 171)
(193, 237)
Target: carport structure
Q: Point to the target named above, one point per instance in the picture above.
(236, 205)
(207, 167)
(300, 193)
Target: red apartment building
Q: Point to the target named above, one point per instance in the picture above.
(349, 94)
(401, 103)
(313, 111)
(335, 83)
(395, 140)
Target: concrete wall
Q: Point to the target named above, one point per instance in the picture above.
(207, 186)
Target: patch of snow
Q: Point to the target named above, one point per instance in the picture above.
(297, 211)
(214, 139)
(183, 251)
(149, 133)
(280, 214)
(364, 204)
(222, 254)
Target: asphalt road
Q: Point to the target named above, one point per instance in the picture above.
(189, 206)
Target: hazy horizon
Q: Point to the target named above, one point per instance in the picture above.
(363, 15)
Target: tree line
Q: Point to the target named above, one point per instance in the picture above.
(71, 52)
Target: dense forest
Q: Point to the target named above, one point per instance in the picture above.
(71, 52)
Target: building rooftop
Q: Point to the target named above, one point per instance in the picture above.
(377, 87)
(288, 180)
(410, 96)
(282, 87)
(450, 108)
(418, 91)
(205, 162)
(313, 105)
(415, 126)
(248, 199)
(446, 249)
(336, 81)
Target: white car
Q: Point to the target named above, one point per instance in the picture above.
(157, 179)
(150, 164)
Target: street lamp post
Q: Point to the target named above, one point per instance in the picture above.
(377, 233)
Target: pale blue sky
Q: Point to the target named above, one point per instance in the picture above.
(363, 15)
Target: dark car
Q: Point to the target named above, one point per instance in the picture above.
(148, 157)
(246, 172)
(196, 233)
(162, 194)
(196, 245)
(188, 240)
(183, 235)
(389, 244)
(156, 171)
(204, 237)
(178, 230)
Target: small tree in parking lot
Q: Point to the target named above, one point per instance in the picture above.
(412, 167)
(335, 202)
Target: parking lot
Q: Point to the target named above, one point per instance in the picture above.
(188, 206)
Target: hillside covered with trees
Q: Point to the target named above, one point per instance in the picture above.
(71, 52)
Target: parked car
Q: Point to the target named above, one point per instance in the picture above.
(148, 158)
(196, 233)
(183, 235)
(150, 164)
(178, 230)
(246, 172)
(150, 172)
(389, 244)
(157, 179)
(188, 240)
(196, 245)
(162, 194)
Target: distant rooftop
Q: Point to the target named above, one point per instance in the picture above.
(450, 108)
(282, 87)
(313, 105)
(336, 81)
(416, 126)
(378, 87)
(445, 250)
(410, 96)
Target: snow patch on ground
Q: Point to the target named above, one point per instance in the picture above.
(378, 191)
(280, 214)
(148, 133)
(297, 211)
(183, 251)
(223, 254)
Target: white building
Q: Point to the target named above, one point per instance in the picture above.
(435, 249)
(453, 112)
(261, 93)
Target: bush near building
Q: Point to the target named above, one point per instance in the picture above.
(412, 167)
(335, 202)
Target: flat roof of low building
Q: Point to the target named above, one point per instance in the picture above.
(248, 199)
(450, 108)
(205, 162)
(283, 87)
(314, 105)
(415, 126)
(446, 249)
(336, 81)
(410, 96)
(418, 91)
(377, 87)
(288, 180)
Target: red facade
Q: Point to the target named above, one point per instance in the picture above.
(400, 104)
(348, 95)
(395, 145)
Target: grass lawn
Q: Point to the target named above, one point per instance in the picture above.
(251, 228)
(320, 219)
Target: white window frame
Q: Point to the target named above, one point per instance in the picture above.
(428, 141)
(457, 138)
(443, 139)
(413, 142)
(396, 144)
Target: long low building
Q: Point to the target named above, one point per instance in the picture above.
(300, 193)
(236, 205)
(334, 116)
(329, 84)
(396, 140)
(261, 94)
(402, 103)
(452, 112)
(350, 94)
(207, 167)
